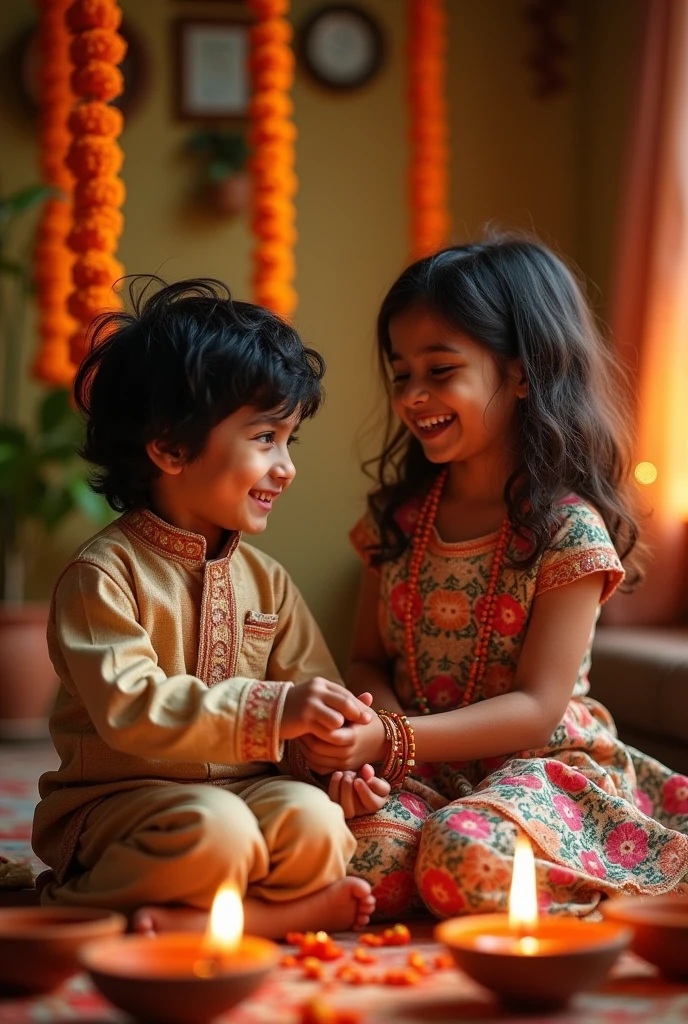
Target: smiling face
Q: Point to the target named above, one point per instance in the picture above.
(232, 485)
(450, 391)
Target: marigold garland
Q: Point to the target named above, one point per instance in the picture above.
(95, 159)
(96, 119)
(97, 44)
(88, 14)
(272, 137)
(52, 258)
(429, 130)
(103, 191)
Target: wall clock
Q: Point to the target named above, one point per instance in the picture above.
(341, 46)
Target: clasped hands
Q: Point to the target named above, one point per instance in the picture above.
(338, 735)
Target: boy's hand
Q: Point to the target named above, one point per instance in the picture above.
(323, 709)
(364, 793)
(347, 749)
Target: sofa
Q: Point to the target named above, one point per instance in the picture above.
(641, 676)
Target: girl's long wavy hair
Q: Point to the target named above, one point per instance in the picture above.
(519, 301)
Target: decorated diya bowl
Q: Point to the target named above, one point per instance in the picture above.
(172, 979)
(39, 945)
(660, 929)
(542, 970)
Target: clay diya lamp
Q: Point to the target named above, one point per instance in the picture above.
(660, 929)
(180, 978)
(528, 962)
(39, 945)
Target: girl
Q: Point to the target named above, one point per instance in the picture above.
(498, 527)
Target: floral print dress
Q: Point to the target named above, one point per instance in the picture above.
(602, 817)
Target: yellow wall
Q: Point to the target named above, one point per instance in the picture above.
(550, 166)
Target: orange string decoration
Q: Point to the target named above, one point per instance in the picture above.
(429, 128)
(272, 138)
(95, 158)
(52, 257)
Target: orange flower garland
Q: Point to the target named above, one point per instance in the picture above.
(272, 137)
(95, 159)
(429, 130)
(52, 258)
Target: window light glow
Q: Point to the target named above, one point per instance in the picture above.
(645, 473)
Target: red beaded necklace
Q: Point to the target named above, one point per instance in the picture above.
(419, 544)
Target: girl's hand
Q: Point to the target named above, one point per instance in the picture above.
(323, 709)
(346, 749)
(364, 793)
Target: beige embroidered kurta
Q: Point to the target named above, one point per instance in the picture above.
(172, 668)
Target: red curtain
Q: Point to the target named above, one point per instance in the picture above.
(649, 314)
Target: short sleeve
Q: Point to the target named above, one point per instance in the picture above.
(580, 547)
(364, 537)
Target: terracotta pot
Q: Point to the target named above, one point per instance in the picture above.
(172, 980)
(230, 196)
(28, 683)
(660, 929)
(39, 945)
(569, 956)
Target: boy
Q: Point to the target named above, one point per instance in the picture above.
(178, 647)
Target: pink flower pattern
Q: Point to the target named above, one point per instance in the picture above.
(567, 778)
(592, 864)
(470, 824)
(569, 812)
(675, 795)
(561, 876)
(414, 804)
(627, 845)
(643, 802)
(528, 781)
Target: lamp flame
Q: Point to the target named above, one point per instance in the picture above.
(523, 908)
(226, 924)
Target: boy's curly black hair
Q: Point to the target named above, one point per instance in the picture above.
(185, 357)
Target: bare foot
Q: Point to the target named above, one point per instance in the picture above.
(345, 904)
(155, 920)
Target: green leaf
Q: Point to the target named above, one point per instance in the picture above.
(225, 152)
(13, 435)
(201, 142)
(61, 429)
(56, 452)
(92, 505)
(56, 504)
(55, 410)
(7, 452)
(24, 199)
(218, 170)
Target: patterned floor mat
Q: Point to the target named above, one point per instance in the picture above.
(634, 992)
(21, 764)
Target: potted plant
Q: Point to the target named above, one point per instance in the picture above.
(41, 484)
(226, 185)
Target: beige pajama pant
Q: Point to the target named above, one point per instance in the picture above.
(280, 840)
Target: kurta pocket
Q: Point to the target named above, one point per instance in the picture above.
(259, 633)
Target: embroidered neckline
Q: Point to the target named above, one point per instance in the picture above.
(178, 545)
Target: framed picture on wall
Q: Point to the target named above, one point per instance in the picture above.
(211, 80)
